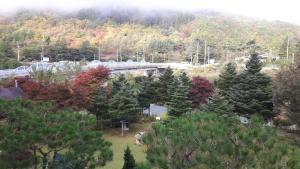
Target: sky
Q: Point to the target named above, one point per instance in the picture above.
(284, 10)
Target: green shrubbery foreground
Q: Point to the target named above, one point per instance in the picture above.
(208, 140)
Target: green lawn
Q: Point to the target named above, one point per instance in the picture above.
(119, 144)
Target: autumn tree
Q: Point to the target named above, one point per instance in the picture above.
(286, 93)
(31, 88)
(59, 93)
(7, 56)
(200, 91)
(91, 79)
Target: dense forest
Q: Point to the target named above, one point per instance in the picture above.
(134, 34)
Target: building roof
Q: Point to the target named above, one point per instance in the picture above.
(11, 93)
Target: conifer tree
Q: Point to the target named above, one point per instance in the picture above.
(185, 80)
(180, 102)
(129, 162)
(118, 83)
(218, 104)
(252, 92)
(226, 78)
(147, 93)
(164, 83)
(124, 104)
(99, 106)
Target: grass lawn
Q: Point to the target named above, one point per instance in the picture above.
(119, 144)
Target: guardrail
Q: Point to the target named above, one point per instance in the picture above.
(114, 66)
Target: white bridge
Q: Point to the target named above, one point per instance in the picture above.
(115, 67)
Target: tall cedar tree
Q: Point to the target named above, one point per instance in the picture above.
(147, 93)
(164, 83)
(217, 103)
(226, 78)
(252, 91)
(99, 105)
(129, 162)
(124, 104)
(180, 102)
(201, 90)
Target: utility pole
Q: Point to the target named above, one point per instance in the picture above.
(137, 54)
(197, 53)
(287, 47)
(191, 58)
(42, 53)
(117, 55)
(208, 53)
(99, 53)
(152, 58)
(205, 51)
(18, 46)
(144, 53)
(120, 53)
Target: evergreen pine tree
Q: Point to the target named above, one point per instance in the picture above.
(99, 105)
(180, 102)
(218, 104)
(147, 93)
(251, 92)
(185, 80)
(124, 104)
(226, 78)
(129, 162)
(164, 83)
(118, 83)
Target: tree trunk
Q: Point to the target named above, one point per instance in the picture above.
(35, 158)
(99, 122)
(45, 162)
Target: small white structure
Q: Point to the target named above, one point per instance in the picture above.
(292, 127)
(45, 59)
(138, 137)
(124, 126)
(211, 61)
(159, 112)
(244, 120)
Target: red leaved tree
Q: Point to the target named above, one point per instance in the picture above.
(200, 91)
(75, 95)
(93, 77)
(87, 82)
(30, 87)
(59, 93)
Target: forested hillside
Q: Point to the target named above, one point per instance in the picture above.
(126, 34)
